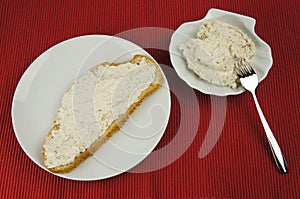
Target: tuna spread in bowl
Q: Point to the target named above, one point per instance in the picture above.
(203, 52)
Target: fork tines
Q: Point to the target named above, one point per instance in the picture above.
(243, 68)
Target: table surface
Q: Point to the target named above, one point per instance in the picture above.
(239, 166)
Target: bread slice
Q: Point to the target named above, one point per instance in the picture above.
(64, 149)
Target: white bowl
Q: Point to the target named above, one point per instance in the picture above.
(261, 62)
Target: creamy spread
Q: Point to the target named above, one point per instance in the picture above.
(212, 53)
(91, 105)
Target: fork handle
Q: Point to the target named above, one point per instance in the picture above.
(277, 154)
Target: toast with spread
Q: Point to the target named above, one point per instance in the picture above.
(95, 107)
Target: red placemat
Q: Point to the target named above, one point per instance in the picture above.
(239, 166)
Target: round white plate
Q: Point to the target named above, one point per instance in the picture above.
(40, 90)
(261, 63)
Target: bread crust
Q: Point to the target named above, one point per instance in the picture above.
(116, 125)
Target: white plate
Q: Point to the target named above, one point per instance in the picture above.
(40, 90)
(261, 63)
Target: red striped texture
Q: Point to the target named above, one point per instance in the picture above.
(239, 166)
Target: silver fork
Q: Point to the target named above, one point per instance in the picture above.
(249, 81)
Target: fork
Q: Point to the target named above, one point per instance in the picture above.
(249, 81)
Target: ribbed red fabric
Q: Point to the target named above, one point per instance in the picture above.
(239, 166)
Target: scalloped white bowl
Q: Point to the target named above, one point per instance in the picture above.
(261, 62)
